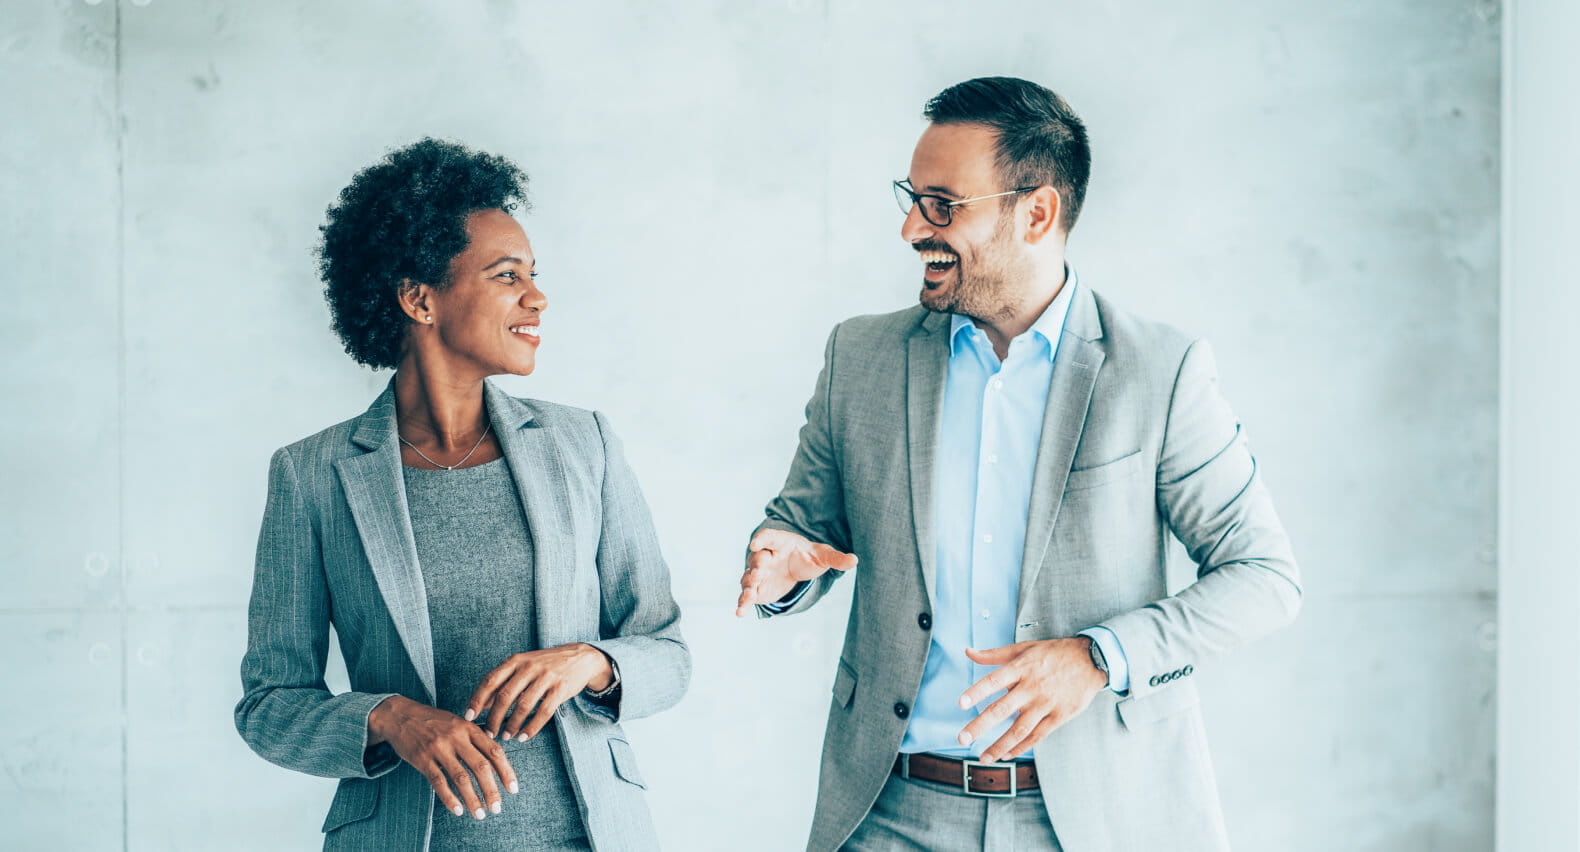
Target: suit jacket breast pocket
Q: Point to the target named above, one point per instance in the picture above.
(1122, 468)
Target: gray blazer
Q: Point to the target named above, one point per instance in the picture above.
(337, 548)
(1137, 446)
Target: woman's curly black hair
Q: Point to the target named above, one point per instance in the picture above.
(404, 218)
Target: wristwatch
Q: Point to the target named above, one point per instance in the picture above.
(1097, 656)
(614, 680)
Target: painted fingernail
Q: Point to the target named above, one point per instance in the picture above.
(470, 714)
(514, 788)
(965, 739)
(965, 701)
(524, 737)
(478, 813)
(494, 807)
(458, 810)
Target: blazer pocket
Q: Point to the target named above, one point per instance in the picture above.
(844, 684)
(1144, 710)
(355, 800)
(625, 762)
(1091, 477)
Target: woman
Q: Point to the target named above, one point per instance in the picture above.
(488, 562)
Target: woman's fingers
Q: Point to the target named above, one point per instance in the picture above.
(546, 708)
(504, 698)
(528, 700)
(482, 770)
(461, 778)
(441, 788)
(483, 697)
(496, 756)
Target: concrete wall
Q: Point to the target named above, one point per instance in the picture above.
(1538, 781)
(1312, 186)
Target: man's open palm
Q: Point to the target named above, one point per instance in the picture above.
(779, 560)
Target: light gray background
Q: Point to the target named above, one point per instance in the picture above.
(1314, 187)
(1538, 775)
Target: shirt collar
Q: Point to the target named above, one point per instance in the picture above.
(1049, 326)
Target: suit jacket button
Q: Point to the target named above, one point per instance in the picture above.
(925, 621)
(901, 710)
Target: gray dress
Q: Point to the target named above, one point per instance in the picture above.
(477, 569)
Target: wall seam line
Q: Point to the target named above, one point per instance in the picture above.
(118, 128)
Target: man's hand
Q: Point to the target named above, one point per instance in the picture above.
(1050, 682)
(537, 679)
(779, 561)
(447, 750)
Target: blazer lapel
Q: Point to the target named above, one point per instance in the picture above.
(1069, 396)
(534, 456)
(926, 368)
(376, 492)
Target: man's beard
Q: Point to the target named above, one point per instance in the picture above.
(982, 288)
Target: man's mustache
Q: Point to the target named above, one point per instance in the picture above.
(934, 245)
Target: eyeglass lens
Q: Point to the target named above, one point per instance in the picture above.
(934, 210)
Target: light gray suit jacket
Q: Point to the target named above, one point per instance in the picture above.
(337, 548)
(1137, 445)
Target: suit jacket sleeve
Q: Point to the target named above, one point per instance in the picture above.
(639, 623)
(287, 714)
(812, 501)
(1210, 494)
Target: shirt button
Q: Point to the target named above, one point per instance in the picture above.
(987, 539)
(998, 384)
(925, 621)
(901, 710)
(985, 613)
(993, 458)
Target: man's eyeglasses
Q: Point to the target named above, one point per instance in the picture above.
(936, 209)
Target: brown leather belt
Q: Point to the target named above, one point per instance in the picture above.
(976, 778)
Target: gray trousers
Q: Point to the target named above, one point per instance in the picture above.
(912, 814)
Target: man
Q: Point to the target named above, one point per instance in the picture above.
(1007, 461)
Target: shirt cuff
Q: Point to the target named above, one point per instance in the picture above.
(789, 600)
(1113, 655)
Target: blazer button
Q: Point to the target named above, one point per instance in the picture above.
(901, 710)
(925, 621)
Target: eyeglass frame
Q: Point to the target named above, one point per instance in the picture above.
(949, 205)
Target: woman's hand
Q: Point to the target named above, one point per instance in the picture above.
(541, 679)
(447, 750)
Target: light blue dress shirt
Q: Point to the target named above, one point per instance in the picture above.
(987, 454)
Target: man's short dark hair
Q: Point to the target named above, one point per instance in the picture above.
(404, 218)
(1041, 141)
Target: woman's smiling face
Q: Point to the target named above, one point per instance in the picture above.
(488, 317)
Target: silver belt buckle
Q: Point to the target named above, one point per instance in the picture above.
(965, 779)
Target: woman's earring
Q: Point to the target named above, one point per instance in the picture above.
(428, 318)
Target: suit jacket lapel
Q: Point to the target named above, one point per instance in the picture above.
(376, 492)
(1069, 396)
(533, 454)
(926, 369)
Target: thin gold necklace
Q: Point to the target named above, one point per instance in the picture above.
(448, 466)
